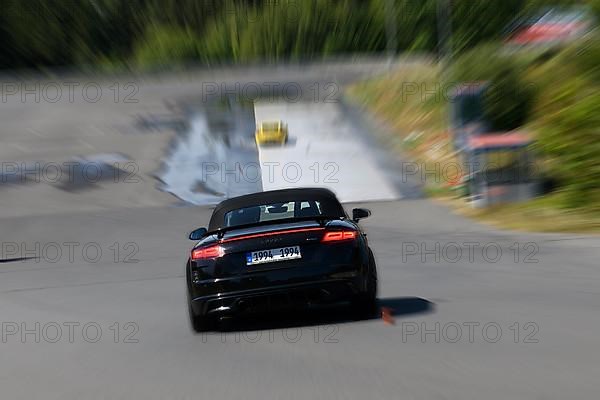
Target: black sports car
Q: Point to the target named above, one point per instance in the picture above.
(279, 249)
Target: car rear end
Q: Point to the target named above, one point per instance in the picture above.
(271, 133)
(279, 265)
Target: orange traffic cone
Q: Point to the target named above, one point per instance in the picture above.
(387, 315)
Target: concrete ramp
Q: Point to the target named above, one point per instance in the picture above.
(324, 150)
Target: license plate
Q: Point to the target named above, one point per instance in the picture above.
(273, 255)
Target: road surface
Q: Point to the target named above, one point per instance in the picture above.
(549, 308)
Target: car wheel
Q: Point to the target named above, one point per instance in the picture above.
(365, 304)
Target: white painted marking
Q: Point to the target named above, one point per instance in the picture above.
(86, 144)
(36, 133)
(94, 131)
(20, 148)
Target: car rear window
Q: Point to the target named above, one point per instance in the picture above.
(271, 212)
(270, 126)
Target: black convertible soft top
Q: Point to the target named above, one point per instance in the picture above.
(329, 204)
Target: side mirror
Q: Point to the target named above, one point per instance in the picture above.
(360, 213)
(198, 234)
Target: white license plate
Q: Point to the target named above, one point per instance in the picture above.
(273, 255)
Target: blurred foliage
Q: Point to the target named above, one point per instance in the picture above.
(508, 100)
(558, 97)
(169, 45)
(567, 120)
(477, 64)
(42, 33)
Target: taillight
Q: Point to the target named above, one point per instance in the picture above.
(338, 236)
(206, 253)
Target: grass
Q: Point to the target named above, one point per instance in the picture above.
(538, 215)
(409, 102)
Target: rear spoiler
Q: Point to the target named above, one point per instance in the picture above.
(321, 219)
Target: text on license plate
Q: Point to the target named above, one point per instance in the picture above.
(272, 255)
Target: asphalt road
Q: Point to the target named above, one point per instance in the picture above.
(476, 313)
(326, 355)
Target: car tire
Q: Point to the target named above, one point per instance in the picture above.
(365, 304)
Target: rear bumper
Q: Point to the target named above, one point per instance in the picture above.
(270, 141)
(278, 297)
(271, 138)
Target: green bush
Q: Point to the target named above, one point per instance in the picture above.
(478, 64)
(584, 56)
(507, 102)
(568, 126)
(166, 45)
(558, 98)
